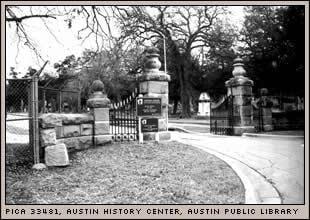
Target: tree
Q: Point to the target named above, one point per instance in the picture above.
(274, 39)
(185, 28)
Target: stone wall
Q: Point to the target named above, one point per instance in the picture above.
(62, 133)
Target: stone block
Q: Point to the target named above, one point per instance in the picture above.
(95, 102)
(56, 155)
(47, 137)
(237, 120)
(102, 127)
(163, 136)
(71, 131)
(267, 120)
(241, 100)
(164, 98)
(50, 120)
(77, 143)
(241, 90)
(242, 110)
(39, 166)
(246, 121)
(239, 81)
(268, 127)
(162, 124)
(154, 87)
(76, 119)
(101, 114)
(149, 136)
(59, 132)
(103, 140)
(154, 76)
(86, 129)
(239, 130)
(267, 112)
(246, 111)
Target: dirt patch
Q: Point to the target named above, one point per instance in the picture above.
(129, 173)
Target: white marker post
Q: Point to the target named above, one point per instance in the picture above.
(139, 130)
(139, 120)
(157, 137)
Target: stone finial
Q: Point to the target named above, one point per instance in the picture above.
(97, 86)
(152, 65)
(239, 75)
(152, 59)
(98, 98)
(238, 68)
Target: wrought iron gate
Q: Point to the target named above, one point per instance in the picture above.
(222, 118)
(123, 119)
(259, 126)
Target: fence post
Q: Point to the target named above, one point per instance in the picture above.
(35, 122)
(44, 101)
(30, 110)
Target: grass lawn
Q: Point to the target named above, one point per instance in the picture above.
(129, 173)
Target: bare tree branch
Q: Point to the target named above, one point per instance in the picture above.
(20, 19)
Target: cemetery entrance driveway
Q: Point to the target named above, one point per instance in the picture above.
(280, 161)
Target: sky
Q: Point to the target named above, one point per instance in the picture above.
(63, 42)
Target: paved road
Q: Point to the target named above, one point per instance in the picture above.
(279, 161)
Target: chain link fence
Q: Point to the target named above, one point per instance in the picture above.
(18, 119)
(54, 100)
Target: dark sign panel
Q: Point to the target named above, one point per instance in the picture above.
(148, 106)
(149, 125)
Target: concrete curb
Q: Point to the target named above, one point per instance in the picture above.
(189, 122)
(257, 189)
(175, 128)
(271, 136)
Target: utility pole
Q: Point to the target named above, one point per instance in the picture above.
(165, 59)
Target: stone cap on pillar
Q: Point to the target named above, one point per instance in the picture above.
(239, 75)
(98, 98)
(152, 65)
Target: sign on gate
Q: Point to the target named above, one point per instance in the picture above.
(149, 124)
(149, 106)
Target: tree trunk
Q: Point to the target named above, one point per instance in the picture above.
(175, 106)
(184, 92)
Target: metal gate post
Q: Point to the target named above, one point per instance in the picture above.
(30, 106)
(35, 122)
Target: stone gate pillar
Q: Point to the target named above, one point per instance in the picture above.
(99, 106)
(153, 83)
(240, 87)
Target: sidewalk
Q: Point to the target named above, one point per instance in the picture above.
(272, 170)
